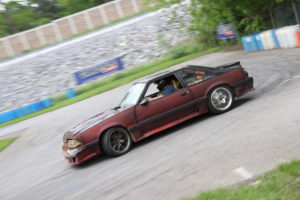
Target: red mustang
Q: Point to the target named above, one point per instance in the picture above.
(154, 104)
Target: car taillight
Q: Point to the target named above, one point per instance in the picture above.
(245, 74)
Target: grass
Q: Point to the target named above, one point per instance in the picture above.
(282, 183)
(5, 143)
(114, 81)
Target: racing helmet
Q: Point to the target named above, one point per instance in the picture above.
(161, 84)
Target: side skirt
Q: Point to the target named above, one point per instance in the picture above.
(166, 126)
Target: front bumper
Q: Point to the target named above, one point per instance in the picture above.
(80, 154)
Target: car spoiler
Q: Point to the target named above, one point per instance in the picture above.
(229, 65)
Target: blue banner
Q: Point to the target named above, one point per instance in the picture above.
(226, 31)
(98, 70)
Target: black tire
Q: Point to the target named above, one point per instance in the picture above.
(116, 141)
(220, 99)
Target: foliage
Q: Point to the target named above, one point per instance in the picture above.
(248, 17)
(72, 6)
(4, 28)
(281, 183)
(46, 8)
(183, 50)
(16, 16)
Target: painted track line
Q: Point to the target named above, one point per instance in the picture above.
(242, 172)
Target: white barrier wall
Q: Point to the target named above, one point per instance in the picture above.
(285, 37)
(67, 26)
(267, 40)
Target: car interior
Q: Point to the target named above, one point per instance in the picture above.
(192, 76)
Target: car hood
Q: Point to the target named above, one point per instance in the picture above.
(93, 121)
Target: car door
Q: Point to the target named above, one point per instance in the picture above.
(164, 110)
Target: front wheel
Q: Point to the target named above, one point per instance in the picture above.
(220, 99)
(116, 142)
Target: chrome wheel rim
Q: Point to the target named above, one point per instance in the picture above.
(221, 98)
(119, 141)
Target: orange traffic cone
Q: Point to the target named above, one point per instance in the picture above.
(298, 38)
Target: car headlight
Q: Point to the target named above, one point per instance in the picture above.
(72, 144)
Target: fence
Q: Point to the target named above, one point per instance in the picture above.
(283, 33)
(65, 27)
(285, 14)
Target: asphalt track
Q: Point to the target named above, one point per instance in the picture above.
(204, 153)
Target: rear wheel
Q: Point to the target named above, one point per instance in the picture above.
(116, 142)
(220, 99)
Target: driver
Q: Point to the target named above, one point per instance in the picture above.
(165, 88)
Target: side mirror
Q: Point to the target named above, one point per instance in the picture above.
(144, 102)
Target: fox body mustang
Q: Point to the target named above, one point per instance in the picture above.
(154, 104)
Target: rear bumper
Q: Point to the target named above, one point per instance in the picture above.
(243, 87)
(81, 154)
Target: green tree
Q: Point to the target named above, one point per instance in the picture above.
(3, 25)
(73, 6)
(18, 17)
(46, 8)
(247, 15)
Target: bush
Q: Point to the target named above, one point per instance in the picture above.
(59, 98)
(184, 50)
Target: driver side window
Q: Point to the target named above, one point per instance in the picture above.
(152, 90)
(162, 87)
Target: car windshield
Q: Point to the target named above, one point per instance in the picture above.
(133, 95)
